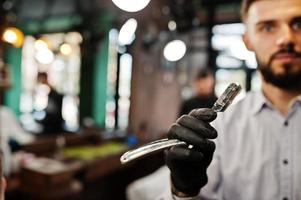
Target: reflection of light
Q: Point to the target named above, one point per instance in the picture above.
(252, 63)
(174, 50)
(121, 49)
(70, 112)
(58, 65)
(45, 56)
(226, 61)
(110, 106)
(39, 115)
(26, 102)
(13, 36)
(73, 38)
(112, 77)
(66, 49)
(132, 5)
(256, 82)
(124, 104)
(41, 97)
(228, 40)
(235, 28)
(125, 75)
(172, 25)
(9, 36)
(113, 34)
(110, 114)
(110, 121)
(127, 32)
(240, 51)
(40, 45)
(126, 64)
(222, 42)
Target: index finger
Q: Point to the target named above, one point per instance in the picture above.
(204, 114)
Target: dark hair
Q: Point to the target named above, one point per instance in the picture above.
(42, 74)
(203, 73)
(245, 5)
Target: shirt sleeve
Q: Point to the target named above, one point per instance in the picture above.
(150, 187)
(15, 130)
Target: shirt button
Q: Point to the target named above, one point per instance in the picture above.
(285, 198)
(285, 161)
(286, 123)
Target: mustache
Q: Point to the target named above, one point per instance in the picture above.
(286, 50)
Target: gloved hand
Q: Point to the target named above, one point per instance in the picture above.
(188, 165)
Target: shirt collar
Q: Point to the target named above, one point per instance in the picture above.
(297, 101)
(260, 102)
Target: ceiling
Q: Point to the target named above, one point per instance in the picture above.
(54, 15)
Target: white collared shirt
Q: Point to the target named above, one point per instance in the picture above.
(257, 157)
(10, 128)
(258, 153)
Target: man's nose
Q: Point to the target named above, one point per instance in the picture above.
(286, 37)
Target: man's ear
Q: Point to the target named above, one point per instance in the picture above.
(247, 42)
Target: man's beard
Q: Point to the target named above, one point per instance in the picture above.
(288, 80)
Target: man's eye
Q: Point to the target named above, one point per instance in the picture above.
(297, 25)
(267, 28)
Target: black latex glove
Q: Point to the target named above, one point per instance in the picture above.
(188, 165)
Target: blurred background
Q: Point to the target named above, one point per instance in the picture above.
(120, 70)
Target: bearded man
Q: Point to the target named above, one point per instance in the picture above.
(256, 155)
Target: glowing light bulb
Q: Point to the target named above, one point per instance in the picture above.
(13, 36)
(66, 49)
(174, 50)
(45, 56)
(40, 45)
(131, 5)
(172, 25)
(127, 32)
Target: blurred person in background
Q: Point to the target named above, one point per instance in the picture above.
(204, 92)
(12, 135)
(51, 118)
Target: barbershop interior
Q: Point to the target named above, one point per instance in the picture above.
(83, 82)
